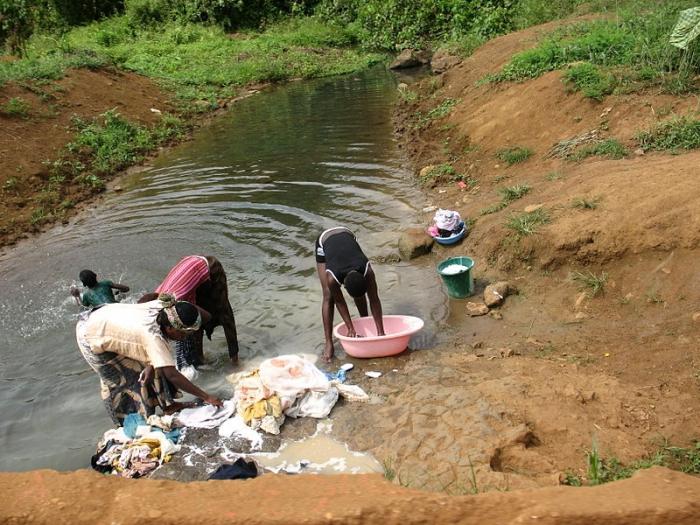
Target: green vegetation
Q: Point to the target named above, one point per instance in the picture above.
(514, 155)
(677, 134)
(609, 148)
(590, 80)
(15, 107)
(554, 175)
(508, 195)
(585, 203)
(630, 50)
(440, 111)
(526, 224)
(601, 470)
(591, 283)
(443, 173)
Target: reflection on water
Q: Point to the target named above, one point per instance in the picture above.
(254, 189)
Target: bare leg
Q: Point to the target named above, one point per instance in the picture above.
(327, 311)
(361, 303)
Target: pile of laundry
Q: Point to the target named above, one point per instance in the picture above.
(284, 386)
(446, 223)
(137, 448)
(288, 386)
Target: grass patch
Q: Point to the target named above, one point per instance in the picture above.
(632, 48)
(585, 203)
(199, 63)
(525, 224)
(508, 195)
(608, 148)
(591, 283)
(514, 155)
(513, 193)
(445, 173)
(440, 111)
(408, 95)
(554, 175)
(590, 80)
(681, 133)
(15, 107)
(604, 470)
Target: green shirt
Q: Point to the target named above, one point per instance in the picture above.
(101, 293)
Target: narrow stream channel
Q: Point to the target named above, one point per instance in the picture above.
(253, 188)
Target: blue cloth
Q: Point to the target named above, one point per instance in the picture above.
(132, 421)
(336, 376)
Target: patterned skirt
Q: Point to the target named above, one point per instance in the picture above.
(120, 389)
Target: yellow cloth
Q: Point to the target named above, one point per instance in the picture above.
(129, 330)
(265, 407)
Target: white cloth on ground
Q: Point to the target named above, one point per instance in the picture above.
(236, 427)
(207, 416)
(314, 404)
(290, 376)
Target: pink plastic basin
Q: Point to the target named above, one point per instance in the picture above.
(398, 330)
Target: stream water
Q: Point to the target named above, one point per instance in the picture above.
(253, 188)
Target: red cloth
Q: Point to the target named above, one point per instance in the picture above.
(184, 278)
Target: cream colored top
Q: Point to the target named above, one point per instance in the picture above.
(129, 330)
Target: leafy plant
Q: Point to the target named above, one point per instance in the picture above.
(589, 79)
(593, 284)
(681, 133)
(514, 155)
(609, 148)
(526, 224)
(15, 107)
(513, 193)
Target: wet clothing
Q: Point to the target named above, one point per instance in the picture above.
(185, 277)
(202, 281)
(129, 330)
(121, 392)
(339, 249)
(99, 294)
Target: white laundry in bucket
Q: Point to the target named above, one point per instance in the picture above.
(454, 269)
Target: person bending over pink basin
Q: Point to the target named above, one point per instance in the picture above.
(340, 262)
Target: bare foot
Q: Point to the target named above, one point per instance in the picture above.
(328, 354)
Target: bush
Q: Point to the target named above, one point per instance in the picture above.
(590, 80)
(677, 134)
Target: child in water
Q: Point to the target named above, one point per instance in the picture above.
(95, 293)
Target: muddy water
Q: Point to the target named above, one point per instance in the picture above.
(254, 188)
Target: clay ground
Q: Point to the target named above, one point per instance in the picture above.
(28, 142)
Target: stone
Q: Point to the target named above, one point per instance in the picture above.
(477, 344)
(532, 207)
(477, 309)
(442, 61)
(496, 315)
(696, 317)
(496, 293)
(424, 173)
(639, 152)
(414, 242)
(407, 58)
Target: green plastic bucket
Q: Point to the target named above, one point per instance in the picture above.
(459, 285)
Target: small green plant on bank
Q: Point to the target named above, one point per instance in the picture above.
(554, 175)
(408, 95)
(586, 203)
(11, 185)
(513, 193)
(440, 111)
(389, 470)
(39, 215)
(608, 148)
(514, 155)
(590, 80)
(681, 133)
(591, 283)
(15, 107)
(508, 195)
(525, 224)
